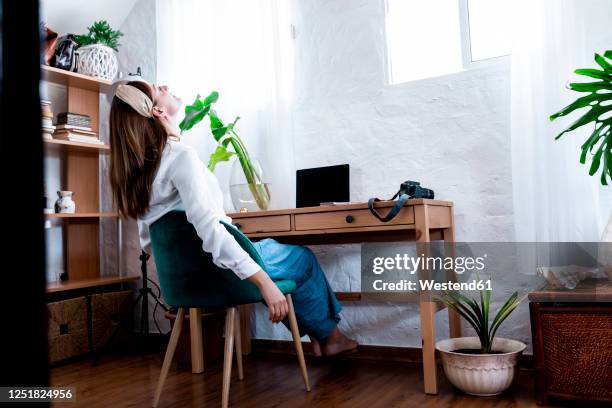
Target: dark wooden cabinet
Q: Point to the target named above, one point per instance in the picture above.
(572, 343)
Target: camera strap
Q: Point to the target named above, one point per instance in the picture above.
(393, 211)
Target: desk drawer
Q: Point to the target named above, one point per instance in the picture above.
(350, 219)
(270, 223)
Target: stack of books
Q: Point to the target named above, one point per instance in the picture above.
(74, 119)
(47, 119)
(76, 128)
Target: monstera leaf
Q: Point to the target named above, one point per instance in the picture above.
(599, 114)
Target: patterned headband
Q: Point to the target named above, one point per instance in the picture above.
(137, 99)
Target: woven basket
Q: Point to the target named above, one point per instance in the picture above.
(98, 60)
(67, 329)
(106, 311)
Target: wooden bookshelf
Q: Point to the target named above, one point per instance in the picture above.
(80, 173)
(84, 215)
(74, 284)
(74, 80)
(77, 145)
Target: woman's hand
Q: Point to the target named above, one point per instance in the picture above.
(274, 298)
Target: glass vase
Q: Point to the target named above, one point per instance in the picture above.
(249, 195)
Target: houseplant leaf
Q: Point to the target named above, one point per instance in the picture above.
(599, 115)
(221, 154)
(477, 315)
(226, 135)
(197, 111)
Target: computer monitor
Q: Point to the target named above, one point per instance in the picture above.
(322, 184)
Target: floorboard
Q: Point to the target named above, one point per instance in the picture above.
(125, 380)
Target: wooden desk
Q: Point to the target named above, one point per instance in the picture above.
(420, 220)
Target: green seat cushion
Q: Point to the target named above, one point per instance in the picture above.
(187, 275)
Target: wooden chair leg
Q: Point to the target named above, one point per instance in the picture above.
(230, 322)
(197, 343)
(245, 328)
(174, 337)
(238, 342)
(297, 342)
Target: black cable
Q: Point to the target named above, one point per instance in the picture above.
(158, 302)
(156, 285)
(162, 304)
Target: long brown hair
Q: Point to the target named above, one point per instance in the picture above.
(136, 146)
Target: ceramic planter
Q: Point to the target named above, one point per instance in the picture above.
(98, 60)
(480, 374)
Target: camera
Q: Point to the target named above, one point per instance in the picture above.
(408, 189)
(414, 190)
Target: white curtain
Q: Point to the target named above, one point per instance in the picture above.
(243, 50)
(554, 197)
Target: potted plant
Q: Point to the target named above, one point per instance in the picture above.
(598, 100)
(484, 365)
(225, 135)
(97, 54)
(599, 143)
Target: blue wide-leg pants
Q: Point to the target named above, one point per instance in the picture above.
(316, 307)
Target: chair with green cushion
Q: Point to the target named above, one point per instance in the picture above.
(189, 279)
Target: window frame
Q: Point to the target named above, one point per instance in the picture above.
(466, 41)
(466, 46)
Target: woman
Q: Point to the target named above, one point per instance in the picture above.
(152, 172)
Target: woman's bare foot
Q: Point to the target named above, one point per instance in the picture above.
(316, 347)
(337, 343)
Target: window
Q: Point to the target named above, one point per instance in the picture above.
(489, 24)
(438, 37)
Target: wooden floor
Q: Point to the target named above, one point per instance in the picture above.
(270, 381)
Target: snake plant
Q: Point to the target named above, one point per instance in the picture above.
(599, 114)
(477, 314)
(226, 136)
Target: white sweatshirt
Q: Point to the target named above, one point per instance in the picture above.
(183, 182)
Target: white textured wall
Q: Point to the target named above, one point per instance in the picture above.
(452, 133)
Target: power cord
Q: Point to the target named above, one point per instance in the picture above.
(158, 303)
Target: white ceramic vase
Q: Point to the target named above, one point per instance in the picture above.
(65, 204)
(480, 374)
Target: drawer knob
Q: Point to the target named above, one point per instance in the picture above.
(350, 219)
(237, 225)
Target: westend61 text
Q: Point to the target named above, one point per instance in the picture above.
(430, 285)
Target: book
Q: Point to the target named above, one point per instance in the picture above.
(47, 122)
(63, 116)
(47, 134)
(45, 106)
(75, 132)
(76, 136)
(76, 129)
(82, 139)
(74, 119)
